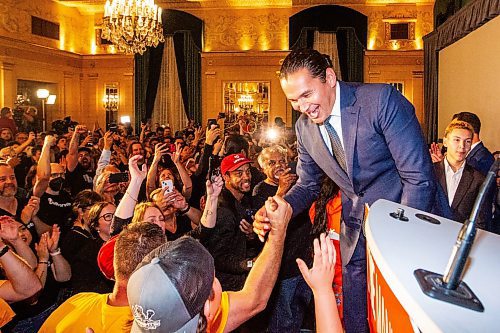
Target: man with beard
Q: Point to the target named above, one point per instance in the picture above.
(12, 203)
(291, 296)
(79, 163)
(228, 244)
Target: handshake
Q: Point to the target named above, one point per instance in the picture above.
(273, 218)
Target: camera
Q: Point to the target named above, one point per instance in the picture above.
(113, 128)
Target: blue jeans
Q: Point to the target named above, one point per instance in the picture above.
(292, 300)
(33, 324)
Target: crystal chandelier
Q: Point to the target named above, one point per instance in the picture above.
(132, 25)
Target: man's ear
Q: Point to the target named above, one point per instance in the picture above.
(206, 310)
(331, 78)
(445, 142)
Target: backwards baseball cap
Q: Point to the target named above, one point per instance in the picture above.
(169, 288)
(233, 162)
(105, 258)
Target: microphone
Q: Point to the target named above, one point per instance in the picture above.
(449, 287)
(467, 234)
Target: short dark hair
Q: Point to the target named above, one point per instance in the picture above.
(133, 244)
(309, 59)
(129, 148)
(94, 213)
(235, 144)
(470, 118)
(86, 198)
(4, 111)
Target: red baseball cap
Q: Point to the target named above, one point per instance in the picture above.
(105, 258)
(233, 162)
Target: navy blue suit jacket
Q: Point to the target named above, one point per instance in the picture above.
(386, 157)
(480, 158)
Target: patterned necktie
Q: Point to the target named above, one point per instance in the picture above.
(338, 151)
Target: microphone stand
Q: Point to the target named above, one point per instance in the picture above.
(449, 287)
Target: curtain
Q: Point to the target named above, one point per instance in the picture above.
(169, 105)
(326, 43)
(470, 17)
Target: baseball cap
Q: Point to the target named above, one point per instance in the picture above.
(169, 288)
(105, 258)
(87, 149)
(233, 162)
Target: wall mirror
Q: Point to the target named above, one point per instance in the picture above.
(245, 98)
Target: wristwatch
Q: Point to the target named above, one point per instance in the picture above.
(4, 250)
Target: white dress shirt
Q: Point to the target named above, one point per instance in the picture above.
(335, 121)
(452, 179)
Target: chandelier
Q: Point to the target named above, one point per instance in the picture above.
(132, 25)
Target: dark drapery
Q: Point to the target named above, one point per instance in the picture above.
(187, 31)
(470, 17)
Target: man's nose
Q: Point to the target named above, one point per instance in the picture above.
(303, 106)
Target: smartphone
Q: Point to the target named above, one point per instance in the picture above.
(214, 173)
(167, 185)
(222, 115)
(172, 148)
(212, 123)
(293, 166)
(121, 177)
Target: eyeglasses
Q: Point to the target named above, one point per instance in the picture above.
(107, 217)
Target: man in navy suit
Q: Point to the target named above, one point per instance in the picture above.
(384, 156)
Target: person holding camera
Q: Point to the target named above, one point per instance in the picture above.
(80, 173)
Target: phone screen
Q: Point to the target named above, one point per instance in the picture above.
(167, 185)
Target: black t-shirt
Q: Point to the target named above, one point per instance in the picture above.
(80, 179)
(183, 227)
(298, 241)
(80, 248)
(56, 209)
(21, 170)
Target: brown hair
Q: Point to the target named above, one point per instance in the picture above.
(94, 213)
(133, 244)
(458, 124)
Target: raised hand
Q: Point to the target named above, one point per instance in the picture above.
(279, 213)
(214, 188)
(175, 199)
(8, 229)
(137, 173)
(286, 181)
(320, 276)
(53, 239)
(108, 140)
(212, 134)
(160, 150)
(42, 251)
(435, 152)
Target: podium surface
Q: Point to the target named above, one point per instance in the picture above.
(395, 249)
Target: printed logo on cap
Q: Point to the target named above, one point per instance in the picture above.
(145, 320)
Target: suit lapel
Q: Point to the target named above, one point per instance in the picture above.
(463, 186)
(349, 122)
(442, 177)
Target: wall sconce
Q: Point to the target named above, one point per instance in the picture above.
(125, 119)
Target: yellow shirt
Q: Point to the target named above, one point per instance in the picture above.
(220, 319)
(88, 310)
(6, 313)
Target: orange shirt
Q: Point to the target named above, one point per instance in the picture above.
(333, 213)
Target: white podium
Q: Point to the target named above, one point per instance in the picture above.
(395, 249)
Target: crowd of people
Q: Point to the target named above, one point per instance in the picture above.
(203, 229)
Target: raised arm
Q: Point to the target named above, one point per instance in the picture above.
(25, 144)
(22, 281)
(43, 167)
(72, 157)
(209, 217)
(60, 266)
(160, 150)
(320, 279)
(10, 234)
(125, 209)
(253, 298)
(105, 157)
(187, 184)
